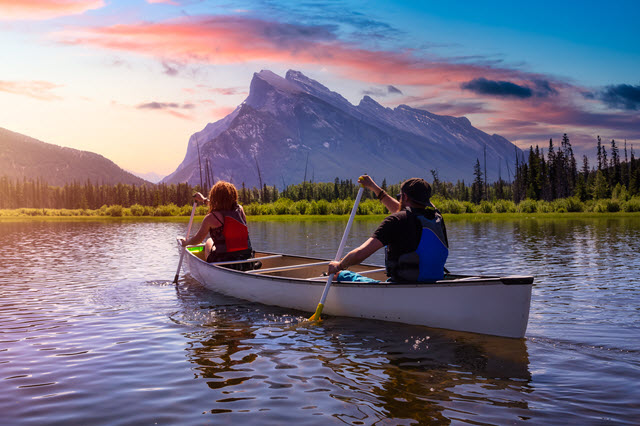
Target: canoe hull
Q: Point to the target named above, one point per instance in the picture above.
(482, 305)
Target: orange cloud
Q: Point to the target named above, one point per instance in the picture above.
(34, 89)
(44, 9)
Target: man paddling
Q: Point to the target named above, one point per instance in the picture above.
(414, 235)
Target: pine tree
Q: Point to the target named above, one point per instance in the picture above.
(599, 153)
(478, 183)
(601, 186)
(615, 164)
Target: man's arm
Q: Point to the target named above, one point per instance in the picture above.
(387, 200)
(356, 256)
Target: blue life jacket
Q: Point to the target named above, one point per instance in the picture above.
(426, 263)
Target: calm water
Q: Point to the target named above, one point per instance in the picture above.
(94, 332)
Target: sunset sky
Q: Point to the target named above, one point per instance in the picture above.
(132, 80)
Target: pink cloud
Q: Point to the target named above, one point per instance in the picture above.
(232, 39)
(45, 9)
(545, 105)
(171, 2)
(33, 89)
(226, 91)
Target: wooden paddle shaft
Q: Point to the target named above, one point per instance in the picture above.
(342, 243)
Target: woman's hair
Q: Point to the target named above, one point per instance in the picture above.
(223, 196)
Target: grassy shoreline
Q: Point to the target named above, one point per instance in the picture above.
(449, 217)
(322, 210)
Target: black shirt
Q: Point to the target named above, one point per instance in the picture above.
(401, 231)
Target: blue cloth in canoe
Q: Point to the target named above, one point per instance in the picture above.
(349, 276)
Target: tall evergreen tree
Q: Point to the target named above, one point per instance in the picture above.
(478, 183)
(599, 153)
(615, 164)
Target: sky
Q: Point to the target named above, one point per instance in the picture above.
(132, 80)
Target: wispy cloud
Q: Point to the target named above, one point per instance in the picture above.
(382, 92)
(164, 105)
(34, 89)
(45, 9)
(173, 108)
(171, 2)
(457, 109)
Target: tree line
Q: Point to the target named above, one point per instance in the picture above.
(538, 176)
(36, 193)
(557, 175)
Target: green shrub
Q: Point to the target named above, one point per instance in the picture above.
(302, 207)
(137, 210)
(114, 210)
(320, 207)
(504, 206)
(469, 207)
(252, 209)
(167, 210)
(341, 206)
(527, 206)
(267, 209)
(544, 207)
(451, 206)
(572, 204)
(633, 205)
(283, 206)
(485, 207)
(606, 206)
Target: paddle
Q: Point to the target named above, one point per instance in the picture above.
(316, 316)
(193, 211)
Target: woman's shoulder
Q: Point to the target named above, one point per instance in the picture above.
(214, 218)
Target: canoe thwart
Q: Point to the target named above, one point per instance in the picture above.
(286, 268)
(253, 259)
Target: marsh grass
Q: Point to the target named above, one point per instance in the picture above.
(286, 209)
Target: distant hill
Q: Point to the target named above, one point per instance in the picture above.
(294, 125)
(22, 156)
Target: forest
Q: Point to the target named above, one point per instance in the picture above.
(543, 182)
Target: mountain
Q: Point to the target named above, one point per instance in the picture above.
(25, 157)
(289, 125)
(152, 177)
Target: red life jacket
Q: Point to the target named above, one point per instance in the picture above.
(233, 235)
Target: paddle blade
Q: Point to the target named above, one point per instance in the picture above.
(316, 316)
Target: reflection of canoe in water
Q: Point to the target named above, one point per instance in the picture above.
(480, 304)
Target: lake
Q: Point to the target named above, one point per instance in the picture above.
(94, 332)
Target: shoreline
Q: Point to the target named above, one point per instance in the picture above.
(451, 217)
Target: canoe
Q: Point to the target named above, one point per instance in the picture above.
(495, 305)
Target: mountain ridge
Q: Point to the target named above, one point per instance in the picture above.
(285, 121)
(22, 156)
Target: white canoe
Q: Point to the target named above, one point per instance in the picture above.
(480, 304)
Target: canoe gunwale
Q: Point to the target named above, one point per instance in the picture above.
(463, 280)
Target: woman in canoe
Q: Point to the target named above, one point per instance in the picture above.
(224, 227)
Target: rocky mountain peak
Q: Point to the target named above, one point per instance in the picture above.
(289, 124)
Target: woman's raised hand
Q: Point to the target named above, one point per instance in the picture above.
(199, 198)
